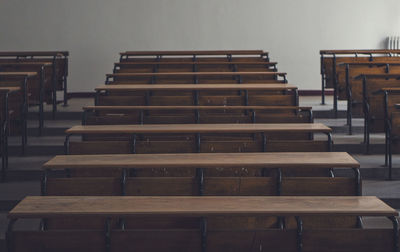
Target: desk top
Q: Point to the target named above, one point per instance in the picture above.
(284, 160)
(49, 206)
(200, 128)
(165, 87)
(121, 108)
(27, 74)
(33, 53)
(9, 89)
(181, 53)
(195, 74)
(128, 63)
(26, 63)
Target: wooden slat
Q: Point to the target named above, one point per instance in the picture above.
(180, 87)
(33, 53)
(16, 74)
(204, 160)
(196, 74)
(118, 108)
(51, 206)
(183, 53)
(134, 63)
(361, 51)
(200, 128)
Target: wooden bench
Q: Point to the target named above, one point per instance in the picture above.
(391, 119)
(59, 75)
(192, 220)
(229, 174)
(196, 78)
(187, 138)
(6, 112)
(19, 79)
(195, 56)
(38, 87)
(105, 115)
(373, 101)
(194, 94)
(194, 66)
(331, 58)
(351, 89)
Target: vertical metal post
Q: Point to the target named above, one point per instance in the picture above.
(386, 121)
(395, 223)
(203, 234)
(65, 80)
(123, 181)
(41, 95)
(107, 234)
(54, 82)
(349, 100)
(299, 234)
(43, 187)
(357, 176)
(335, 88)
(264, 139)
(9, 236)
(200, 177)
(322, 80)
(24, 115)
(330, 144)
(133, 144)
(198, 143)
(66, 144)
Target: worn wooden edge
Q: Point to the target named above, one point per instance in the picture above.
(196, 74)
(33, 53)
(22, 74)
(133, 87)
(359, 51)
(200, 128)
(127, 63)
(66, 206)
(224, 107)
(284, 160)
(191, 53)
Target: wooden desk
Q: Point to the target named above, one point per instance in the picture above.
(196, 74)
(124, 108)
(200, 128)
(34, 53)
(183, 53)
(18, 74)
(4, 93)
(135, 63)
(116, 206)
(196, 87)
(285, 160)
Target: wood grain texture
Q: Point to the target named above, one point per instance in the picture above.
(119, 108)
(205, 160)
(16, 74)
(197, 74)
(202, 52)
(180, 87)
(52, 206)
(200, 128)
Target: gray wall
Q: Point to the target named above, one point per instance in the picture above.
(294, 31)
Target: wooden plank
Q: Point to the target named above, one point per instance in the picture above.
(16, 74)
(204, 160)
(33, 53)
(180, 87)
(196, 74)
(191, 63)
(52, 206)
(362, 51)
(119, 108)
(191, 53)
(200, 128)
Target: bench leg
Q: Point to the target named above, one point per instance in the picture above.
(299, 234)
(395, 223)
(9, 241)
(107, 234)
(203, 234)
(65, 92)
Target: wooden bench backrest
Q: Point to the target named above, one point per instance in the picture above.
(196, 78)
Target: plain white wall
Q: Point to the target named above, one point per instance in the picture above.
(293, 31)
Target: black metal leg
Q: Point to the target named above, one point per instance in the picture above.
(203, 234)
(123, 181)
(66, 144)
(390, 156)
(198, 143)
(41, 100)
(9, 232)
(395, 233)
(200, 177)
(264, 146)
(330, 143)
(54, 91)
(357, 176)
(65, 92)
(133, 144)
(43, 187)
(299, 234)
(107, 234)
